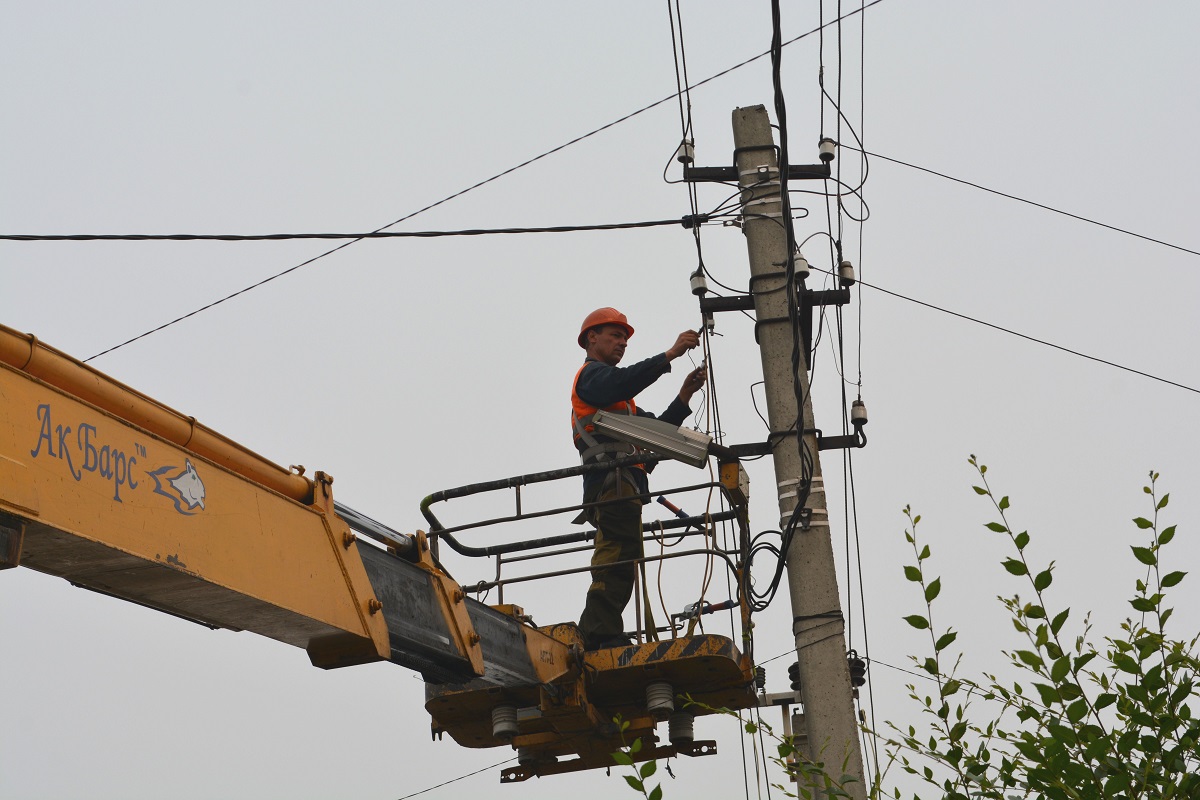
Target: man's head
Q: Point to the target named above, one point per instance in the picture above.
(606, 344)
(603, 335)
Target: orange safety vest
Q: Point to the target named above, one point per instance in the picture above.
(589, 444)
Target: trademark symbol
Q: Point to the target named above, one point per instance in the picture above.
(141, 450)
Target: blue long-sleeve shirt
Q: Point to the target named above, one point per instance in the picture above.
(601, 385)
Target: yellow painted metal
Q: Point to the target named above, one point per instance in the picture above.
(572, 714)
(118, 508)
(27, 354)
(451, 597)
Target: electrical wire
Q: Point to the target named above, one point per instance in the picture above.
(470, 188)
(1032, 203)
(459, 778)
(687, 222)
(1029, 338)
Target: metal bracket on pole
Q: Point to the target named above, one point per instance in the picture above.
(795, 172)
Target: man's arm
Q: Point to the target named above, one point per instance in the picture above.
(601, 385)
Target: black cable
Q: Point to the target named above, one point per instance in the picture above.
(1029, 202)
(459, 778)
(1028, 337)
(470, 188)
(687, 222)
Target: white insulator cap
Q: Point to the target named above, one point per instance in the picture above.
(709, 322)
(681, 728)
(660, 700)
(504, 722)
(846, 273)
(826, 148)
(699, 283)
(858, 413)
(802, 268)
(686, 153)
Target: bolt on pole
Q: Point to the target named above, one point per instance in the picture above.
(833, 733)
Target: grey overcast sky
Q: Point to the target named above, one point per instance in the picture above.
(407, 366)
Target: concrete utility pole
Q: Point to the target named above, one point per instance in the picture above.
(825, 690)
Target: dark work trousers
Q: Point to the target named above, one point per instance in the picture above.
(618, 538)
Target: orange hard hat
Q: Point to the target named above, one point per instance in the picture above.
(603, 316)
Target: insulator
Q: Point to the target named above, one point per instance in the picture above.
(846, 273)
(858, 669)
(826, 148)
(660, 700)
(760, 677)
(802, 269)
(686, 153)
(681, 728)
(504, 722)
(794, 676)
(858, 413)
(699, 283)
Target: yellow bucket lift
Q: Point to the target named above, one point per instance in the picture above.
(117, 493)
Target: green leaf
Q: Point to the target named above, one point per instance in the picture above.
(1077, 710)
(997, 527)
(1035, 611)
(648, 769)
(944, 642)
(636, 746)
(950, 687)
(1030, 658)
(1104, 700)
(1144, 604)
(1126, 663)
(1015, 567)
(656, 793)
(1003, 504)
(1145, 555)
(1043, 580)
(924, 553)
(1021, 540)
(1167, 535)
(979, 490)
(634, 782)
(1172, 579)
(1162, 503)
(933, 589)
(1143, 523)
(1061, 669)
(1048, 694)
(623, 759)
(1057, 623)
(913, 574)
(917, 621)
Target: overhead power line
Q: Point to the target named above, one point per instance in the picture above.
(687, 222)
(474, 186)
(1027, 337)
(1023, 200)
(459, 778)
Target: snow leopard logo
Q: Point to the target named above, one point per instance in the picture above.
(185, 489)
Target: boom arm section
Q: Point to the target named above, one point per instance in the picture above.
(119, 494)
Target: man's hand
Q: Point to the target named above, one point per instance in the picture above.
(684, 342)
(693, 383)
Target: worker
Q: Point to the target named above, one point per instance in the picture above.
(601, 385)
